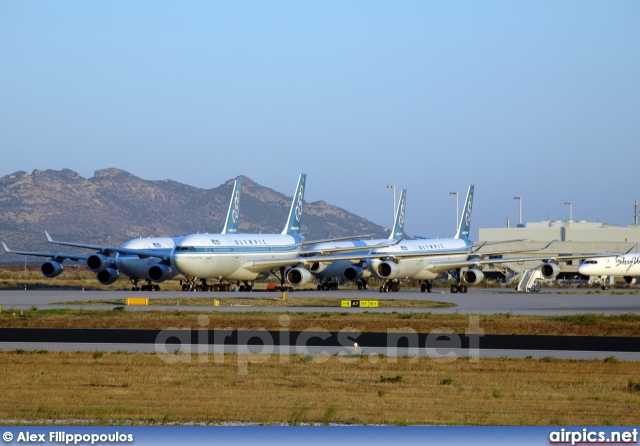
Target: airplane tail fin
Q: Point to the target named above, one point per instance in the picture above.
(295, 213)
(465, 219)
(398, 223)
(233, 214)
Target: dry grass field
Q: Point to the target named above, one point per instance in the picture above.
(117, 388)
(576, 325)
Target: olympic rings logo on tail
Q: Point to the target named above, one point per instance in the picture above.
(236, 208)
(299, 203)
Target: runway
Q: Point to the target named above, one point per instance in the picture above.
(552, 302)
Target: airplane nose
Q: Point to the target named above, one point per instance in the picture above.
(583, 270)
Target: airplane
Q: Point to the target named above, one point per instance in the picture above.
(240, 257)
(425, 259)
(624, 265)
(110, 261)
(352, 270)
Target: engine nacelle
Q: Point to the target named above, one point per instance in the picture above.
(549, 270)
(629, 280)
(160, 273)
(99, 262)
(298, 276)
(388, 270)
(51, 268)
(108, 276)
(318, 267)
(472, 276)
(353, 273)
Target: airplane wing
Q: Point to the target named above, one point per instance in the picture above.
(498, 242)
(268, 264)
(338, 239)
(260, 265)
(58, 256)
(335, 255)
(477, 262)
(142, 253)
(349, 248)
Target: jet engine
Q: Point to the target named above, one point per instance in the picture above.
(51, 268)
(318, 267)
(107, 276)
(629, 280)
(353, 273)
(549, 270)
(388, 270)
(298, 276)
(472, 276)
(99, 262)
(160, 273)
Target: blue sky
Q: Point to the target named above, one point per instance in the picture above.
(537, 99)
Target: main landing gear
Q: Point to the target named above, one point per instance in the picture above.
(458, 287)
(282, 285)
(245, 286)
(327, 286)
(147, 287)
(425, 285)
(390, 286)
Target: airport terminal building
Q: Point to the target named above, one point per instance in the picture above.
(568, 237)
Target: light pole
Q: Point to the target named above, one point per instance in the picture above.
(393, 186)
(456, 194)
(570, 203)
(519, 198)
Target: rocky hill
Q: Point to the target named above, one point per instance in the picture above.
(115, 206)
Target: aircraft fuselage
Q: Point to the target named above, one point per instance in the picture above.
(622, 265)
(226, 255)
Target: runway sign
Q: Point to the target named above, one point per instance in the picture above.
(357, 303)
(137, 301)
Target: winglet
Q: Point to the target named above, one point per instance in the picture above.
(6, 249)
(48, 237)
(465, 220)
(295, 213)
(233, 214)
(398, 224)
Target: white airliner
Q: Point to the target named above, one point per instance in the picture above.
(240, 257)
(624, 265)
(353, 270)
(425, 259)
(132, 258)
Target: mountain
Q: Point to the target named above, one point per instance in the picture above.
(115, 206)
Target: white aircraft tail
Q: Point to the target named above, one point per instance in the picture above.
(465, 220)
(233, 214)
(295, 213)
(397, 233)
